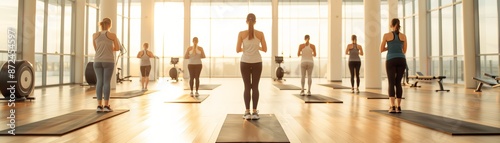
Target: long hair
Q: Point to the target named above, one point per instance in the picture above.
(396, 25)
(354, 39)
(251, 21)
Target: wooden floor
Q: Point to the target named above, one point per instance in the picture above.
(152, 120)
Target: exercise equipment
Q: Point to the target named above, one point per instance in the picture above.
(17, 78)
(421, 77)
(90, 74)
(489, 81)
(280, 72)
(120, 79)
(174, 72)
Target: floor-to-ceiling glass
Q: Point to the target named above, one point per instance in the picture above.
(488, 36)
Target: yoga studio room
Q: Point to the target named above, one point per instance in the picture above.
(248, 71)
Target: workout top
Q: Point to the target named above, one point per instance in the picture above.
(307, 54)
(145, 59)
(104, 49)
(354, 53)
(395, 48)
(195, 58)
(251, 52)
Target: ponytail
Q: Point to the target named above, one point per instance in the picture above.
(396, 25)
(105, 23)
(251, 21)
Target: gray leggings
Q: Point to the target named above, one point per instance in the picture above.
(103, 73)
(306, 67)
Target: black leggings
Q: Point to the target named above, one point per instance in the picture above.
(354, 69)
(194, 73)
(395, 69)
(250, 72)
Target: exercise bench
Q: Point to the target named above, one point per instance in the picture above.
(422, 77)
(489, 81)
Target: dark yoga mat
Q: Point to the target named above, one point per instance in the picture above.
(442, 124)
(287, 87)
(317, 98)
(371, 95)
(335, 86)
(63, 124)
(266, 129)
(129, 94)
(187, 98)
(204, 87)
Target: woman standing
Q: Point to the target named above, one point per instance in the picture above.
(105, 43)
(194, 54)
(250, 42)
(145, 55)
(354, 51)
(395, 64)
(307, 51)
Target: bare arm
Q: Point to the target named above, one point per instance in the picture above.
(404, 44)
(139, 55)
(314, 50)
(382, 45)
(263, 42)
(116, 44)
(186, 55)
(202, 52)
(347, 50)
(300, 49)
(93, 39)
(238, 44)
(150, 54)
(360, 50)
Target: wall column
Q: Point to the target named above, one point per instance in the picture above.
(469, 44)
(372, 44)
(187, 35)
(334, 68)
(28, 33)
(274, 47)
(147, 31)
(108, 8)
(423, 56)
(79, 40)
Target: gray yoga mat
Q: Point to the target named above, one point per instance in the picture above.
(266, 129)
(335, 86)
(187, 98)
(63, 124)
(442, 124)
(129, 94)
(317, 98)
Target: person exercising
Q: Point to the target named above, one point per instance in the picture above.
(307, 51)
(250, 42)
(145, 55)
(395, 64)
(105, 43)
(354, 51)
(194, 53)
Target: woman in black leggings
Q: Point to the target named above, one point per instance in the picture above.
(395, 64)
(250, 42)
(194, 54)
(354, 51)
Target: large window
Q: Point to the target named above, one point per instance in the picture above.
(488, 36)
(169, 33)
(216, 23)
(53, 55)
(408, 13)
(445, 30)
(294, 24)
(9, 17)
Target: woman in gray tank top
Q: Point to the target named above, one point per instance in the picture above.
(145, 55)
(105, 44)
(194, 53)
(354, 51)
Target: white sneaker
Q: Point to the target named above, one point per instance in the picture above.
(197, 94)
(99, 109)
(308, 93)
(107, 109)
(255, 115)
(191, 93)
(247, 116)
(302, 92)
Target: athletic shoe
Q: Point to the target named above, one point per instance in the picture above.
(197, 94)
(308, 93)
(191, 93)
(247, 116)
(398, 109)
(107, 109)
(302, 93)
(255, 115)
(352, 90)
(99, 109)
(357, 90)
(392, 109)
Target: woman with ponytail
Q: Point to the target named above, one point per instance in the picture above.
(354, 51)
(250, 42)
(105, 43)
(395, 64)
